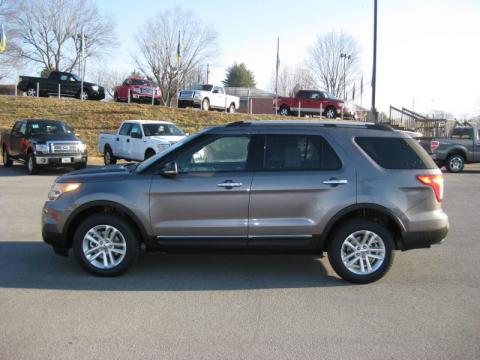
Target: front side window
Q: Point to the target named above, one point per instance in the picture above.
(222, 154)
(136, 129)
(125, 129)
(298, 152)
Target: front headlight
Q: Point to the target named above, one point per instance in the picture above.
(58, 189)
(162, 147)
(197, 96)
(82, 147)
(41, 148)
(95, 87)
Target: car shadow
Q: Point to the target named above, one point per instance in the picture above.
(33, 265)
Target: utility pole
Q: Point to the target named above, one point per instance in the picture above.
(208, 71)
(277, 66)
(345, 57)
(374, 72)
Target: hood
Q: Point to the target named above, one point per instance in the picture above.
(167, 139)
(97, 174)
(42, 138)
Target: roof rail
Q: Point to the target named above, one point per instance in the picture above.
(379, 127)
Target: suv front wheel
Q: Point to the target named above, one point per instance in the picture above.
(361, 251)
(106, 244)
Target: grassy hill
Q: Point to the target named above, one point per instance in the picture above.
(89, 118)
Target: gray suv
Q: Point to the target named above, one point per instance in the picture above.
(357, 191)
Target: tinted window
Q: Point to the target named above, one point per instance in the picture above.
(136, 129)
(17, 126)
(125, 129)
(396, 153)
(48, 127)
(298, 152)
(161, 130)
(302, 95)
(216, 155)
(462, 133)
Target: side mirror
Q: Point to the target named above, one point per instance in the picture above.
(136, 135)
(170, 169)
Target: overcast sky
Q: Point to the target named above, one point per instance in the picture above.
(428, 50)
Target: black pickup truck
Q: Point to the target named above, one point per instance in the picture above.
(462, 146)
(67, 83)
(39, 143)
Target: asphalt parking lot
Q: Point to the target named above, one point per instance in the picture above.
(236, 306)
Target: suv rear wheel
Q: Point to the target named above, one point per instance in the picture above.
(106, 245)
(361, 251)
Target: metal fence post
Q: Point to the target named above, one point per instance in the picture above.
(251, 106)
(321, 110)
(16, 91)
(299, 107)
(153, 97)
(225, 103)
(38, 89)
(128, 96)
(59, 91)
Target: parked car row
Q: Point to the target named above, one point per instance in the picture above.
(51, 143)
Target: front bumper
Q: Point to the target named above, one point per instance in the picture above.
(98, 95)
(183, 103)
(60, 159)
(52, 234)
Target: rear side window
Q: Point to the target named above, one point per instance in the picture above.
(298, 152)
(396, 153)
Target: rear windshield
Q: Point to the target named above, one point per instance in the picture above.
(396, 153)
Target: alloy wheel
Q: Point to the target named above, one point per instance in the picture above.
(363, 252)
(104, 247)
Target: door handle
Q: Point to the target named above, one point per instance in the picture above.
(335, 182)
(229, 184)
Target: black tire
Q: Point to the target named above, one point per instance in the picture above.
(331, 112)
(205, 104)
(149, 153)
(31, 91)
(32, 166)
(125, 228)
(7, 160)
(284, 111)
(455, 163)
(108, 157)
(86, 95)
(231, 109)
(335, 251)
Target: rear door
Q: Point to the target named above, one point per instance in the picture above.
(207, 201)
(302, 181)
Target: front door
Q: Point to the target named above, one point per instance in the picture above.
(301, 183)
(134, 144)
(207, 201)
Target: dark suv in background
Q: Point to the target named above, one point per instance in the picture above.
(358, 191)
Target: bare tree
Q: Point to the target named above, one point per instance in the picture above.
(109, 78)
(45, 32)
(292, 79)
(157, 49)
(327, 66)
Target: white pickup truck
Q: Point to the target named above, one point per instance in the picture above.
(138, 140)
(207, 97)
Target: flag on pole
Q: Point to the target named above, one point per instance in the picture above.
(178, 47)
(3, 40)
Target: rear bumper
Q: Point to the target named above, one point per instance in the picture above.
(424, 239)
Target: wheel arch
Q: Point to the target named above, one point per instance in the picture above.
(368, 211)
(101, 206)
(458, 151)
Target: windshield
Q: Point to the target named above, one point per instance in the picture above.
(151, 160)
(202, 87)
(330, 96)
(76, 77)
(48, 127)
(142, 82)
(161, 130)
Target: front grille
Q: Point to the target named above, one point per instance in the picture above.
(146, 91)
(64, 148)
(186, 94)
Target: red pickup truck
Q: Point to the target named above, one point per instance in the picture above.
(138, 89)
(311, 102)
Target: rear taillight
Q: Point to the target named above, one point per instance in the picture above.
(434, 145)
(435, 182)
